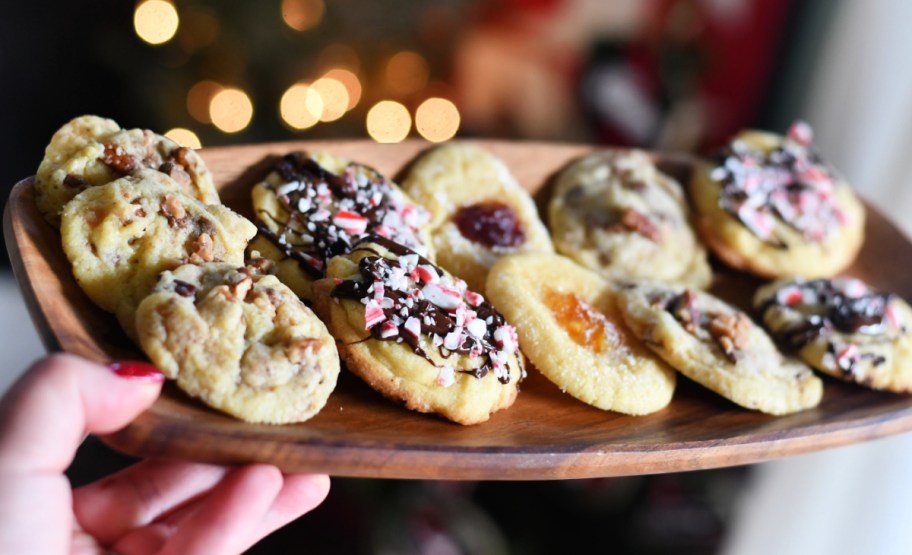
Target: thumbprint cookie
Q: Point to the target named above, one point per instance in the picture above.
(479, 212)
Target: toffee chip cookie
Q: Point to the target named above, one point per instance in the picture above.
(570, 329)
(842, 328)
(120, 236)
(769, 205)
(89, 151)
(313, 207)
(479, 212)
(241, 342)
(417, 335)
(615, 213)
(718, 347)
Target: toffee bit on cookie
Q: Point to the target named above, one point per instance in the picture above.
(241, 288)
(731, 331)
(302, 349)
(202, 249)
(116, 158)
(637, 222)
(683, 308)
(174, 211)
(177, 173)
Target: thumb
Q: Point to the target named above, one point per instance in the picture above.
(47, 413)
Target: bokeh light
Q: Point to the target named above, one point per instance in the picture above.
(199, 97)
(437, 119)
(231, 110)
(302, 15)
(300, 106)
(156, 21)
(388, 122)
(406, 73)
(351, 83)
(184, 137)
(334, 96)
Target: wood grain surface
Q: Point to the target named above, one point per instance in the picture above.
(545, 435)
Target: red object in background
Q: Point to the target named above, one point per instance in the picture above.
(713, 59)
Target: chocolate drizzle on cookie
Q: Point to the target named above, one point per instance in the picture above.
(789, 184)
(407, 297)
(825, 307)
(328, 213)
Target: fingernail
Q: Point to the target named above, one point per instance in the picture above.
(136, 370)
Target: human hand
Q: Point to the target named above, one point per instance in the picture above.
(154, 506)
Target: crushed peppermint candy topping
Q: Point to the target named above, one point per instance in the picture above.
(328, 213)
(789, 184)
(400, 305)
(820, 307)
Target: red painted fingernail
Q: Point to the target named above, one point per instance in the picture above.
(136, 370)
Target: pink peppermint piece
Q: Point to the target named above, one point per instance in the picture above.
(378, 291)
(462, 314)
(506, 338)
(315, 262)
(446, 376)
(847, 355)
(892, 317)
(854, 288)
(413, 326)
(383, 231)
(477, 328)
(388, 329)
(791, 296)
(447, 298)
(801, 133)
(373, 314)
(321, 215)
(454, 339)
(475, 299)
(425, 274)
(352, 223)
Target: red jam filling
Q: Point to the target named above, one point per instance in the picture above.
(493, 224)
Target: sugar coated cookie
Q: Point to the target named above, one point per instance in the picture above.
(120, 236)
(614, 212)
(90, 151)
(479, 211)
(718, 346)
(417, 335)
(569, 327)
(771, 206)
(241, 342)
(313, 207)
(842, 328)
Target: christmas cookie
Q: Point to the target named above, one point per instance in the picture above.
(570, 328)
(313, 207)
(479, 212)
(719, 347)
(90, 151)
(771, 206)
(120, 236)
(417, 335)
(241, 342)
(842, 328)
(615, 213)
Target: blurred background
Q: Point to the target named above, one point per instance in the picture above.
(678, 75)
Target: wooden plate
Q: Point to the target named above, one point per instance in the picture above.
(545, 435)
